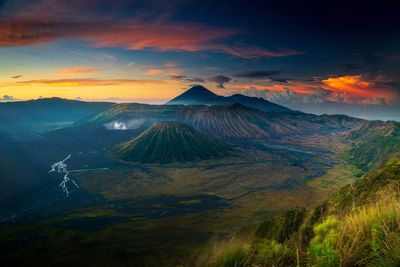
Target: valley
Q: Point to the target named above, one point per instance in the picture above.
(198, 133)
(171, 179)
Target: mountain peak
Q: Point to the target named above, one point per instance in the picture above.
(199, 95)
(199, 89)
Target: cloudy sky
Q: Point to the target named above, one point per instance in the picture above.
(315, 56)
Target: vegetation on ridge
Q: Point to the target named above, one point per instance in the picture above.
(357, 226)
(373, 143)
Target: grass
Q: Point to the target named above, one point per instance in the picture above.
(232, 254)
(367, 236)
(239, 253)
(371, 235)
(358, 226)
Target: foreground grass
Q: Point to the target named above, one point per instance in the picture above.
(359, 226)
(367, 236)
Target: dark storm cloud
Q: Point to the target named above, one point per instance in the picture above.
(220, 80)
(257, 74)
(351, 66)
(372, 64)
(184, 78)
(262, 74)
(382, 58)
(279, 80)
(374, 60)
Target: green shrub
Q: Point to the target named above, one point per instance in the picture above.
(272, 253)
(322, 250)
(376, 238)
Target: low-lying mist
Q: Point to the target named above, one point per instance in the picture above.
(124, 125)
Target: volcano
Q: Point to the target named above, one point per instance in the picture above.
(167, 142)
(199, 95)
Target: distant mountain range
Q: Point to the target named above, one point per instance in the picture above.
(49, 110)
(167, 142)
(199, 95)
(234, 121)
(256, 159)
(217, 117)
(238, 121)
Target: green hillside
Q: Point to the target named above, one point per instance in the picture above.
(373, 143)
(357, 226)
(167, 142)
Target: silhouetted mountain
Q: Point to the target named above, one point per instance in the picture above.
(167, 142)
(199, 95)
(48, 110)
(258, 103)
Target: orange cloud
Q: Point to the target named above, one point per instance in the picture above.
(154, 72)
(359, 88)
(302, 88)
(133, 35)
(351, 84)
(84, 82)
(170, 65)
(164, 37)
(88, 88)
(78, 71)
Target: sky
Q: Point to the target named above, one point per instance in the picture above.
(314, 56)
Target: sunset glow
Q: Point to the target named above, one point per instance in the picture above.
(74, 50)
(199, 133)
